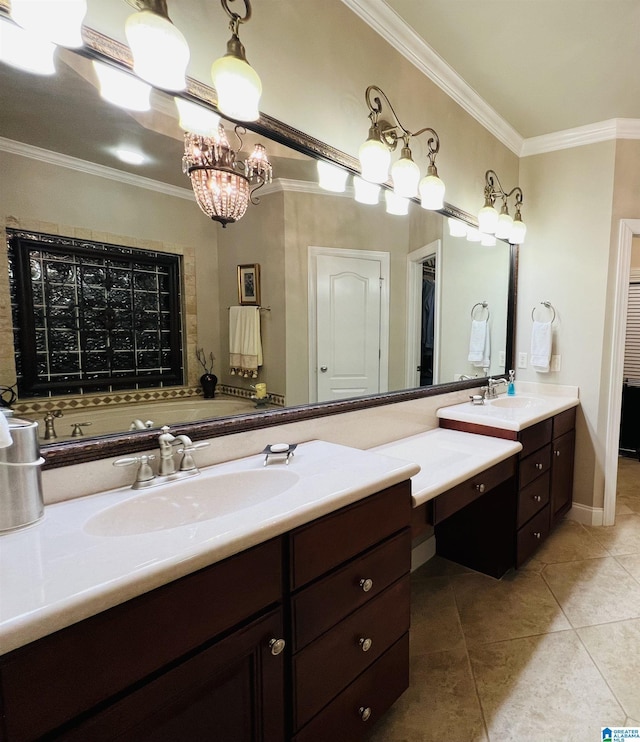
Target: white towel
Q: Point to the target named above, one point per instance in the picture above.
(480, 343)
(245, 343)
(5, 433)
(541, 346)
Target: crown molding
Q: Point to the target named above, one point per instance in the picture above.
(388, 24)
(601, 131)
(91, 168)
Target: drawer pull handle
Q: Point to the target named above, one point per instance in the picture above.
(365, 712)
(537, 534)
(366, 585)
(277, 646)
(539, 467)
(365, 644)
(481, 488)
(537, 498)
(556, 453)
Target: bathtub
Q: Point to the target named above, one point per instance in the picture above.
(119, 418)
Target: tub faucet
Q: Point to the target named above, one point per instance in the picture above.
(49, 430)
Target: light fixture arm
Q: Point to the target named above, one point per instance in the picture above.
(155, 6)
(235, 48)
(491, 193)
(388, 132)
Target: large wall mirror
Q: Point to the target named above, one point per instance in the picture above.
(61, 176)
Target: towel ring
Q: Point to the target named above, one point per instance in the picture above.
(548, 305)
(482, 304)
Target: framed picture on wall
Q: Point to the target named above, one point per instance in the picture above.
(249, 284)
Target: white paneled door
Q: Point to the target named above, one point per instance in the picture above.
(348, 326)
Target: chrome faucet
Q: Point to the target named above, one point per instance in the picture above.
(167, 471)
(491, 391)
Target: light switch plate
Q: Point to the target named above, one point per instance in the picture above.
(502, 359)
(522, 360)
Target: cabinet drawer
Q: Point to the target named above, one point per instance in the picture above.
(535, 437)
(535, 465)
(325, 667)
(532, 498)
(345, 719)
(456, 498)
(338, 537)
(563, 422)
(320, 606)
(138, 638)
(532, 535)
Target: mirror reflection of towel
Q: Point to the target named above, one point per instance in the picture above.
(541, 335)
(245, 343)
(480, 343)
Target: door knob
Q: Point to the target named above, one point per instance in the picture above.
(323, 369)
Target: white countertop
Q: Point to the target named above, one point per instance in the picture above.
(447, 458)
(56, 573)
(539, 402)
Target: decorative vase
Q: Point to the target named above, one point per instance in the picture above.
(208, 383)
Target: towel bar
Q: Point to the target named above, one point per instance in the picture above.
(548, 305)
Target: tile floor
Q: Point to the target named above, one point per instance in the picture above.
(547, 654)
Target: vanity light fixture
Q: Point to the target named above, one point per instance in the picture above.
(23, 50)
(56, 21)
(501, 224)
(383, 138)
(237, 84)
(331, 177)
(223, 183)
(456, 227)
(365, 192)
(160, 51)
(122, 89)
(473, 234)
(197, 119)
(396, 205)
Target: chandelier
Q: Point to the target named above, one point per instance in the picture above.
(223, 183)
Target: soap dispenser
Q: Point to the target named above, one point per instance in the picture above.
(511, 387)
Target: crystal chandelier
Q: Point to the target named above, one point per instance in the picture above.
(223, 183)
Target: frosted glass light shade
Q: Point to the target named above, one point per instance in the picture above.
(375, 159)
(238, 87)
(396, 205)
(331, 178)
(504, 225)
(405, 175)
(487, 240)
(488, 219)
(160, 51)
(431, 192)
(57, 21)
(23, 50)
(365, 192)
(456, 227)
(122, 89)
(473, 235)
(197, 119)
(518, 231)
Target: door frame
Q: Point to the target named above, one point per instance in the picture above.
(629, 228)
(414, 299)
(337, 252)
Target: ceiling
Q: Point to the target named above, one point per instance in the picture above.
(543, 65)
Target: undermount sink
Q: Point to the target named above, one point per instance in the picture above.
(515, 403)
(190, 501)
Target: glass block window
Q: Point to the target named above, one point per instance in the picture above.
(93, 317)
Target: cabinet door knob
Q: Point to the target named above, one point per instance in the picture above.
(365, 644)
(539, 467)
(556, 453)
(481, 488)
(365, 712)
(277, 646)
(537, 534)
(366, 584)
(537, 498)
(323, 369)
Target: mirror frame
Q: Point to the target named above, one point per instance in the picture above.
(101, 47)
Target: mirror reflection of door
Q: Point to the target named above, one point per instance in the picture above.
(427, 321)
(349, 300)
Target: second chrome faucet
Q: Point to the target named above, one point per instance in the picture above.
(167, 469)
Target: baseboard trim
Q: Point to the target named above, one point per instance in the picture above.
(421, 553)
(586, 515)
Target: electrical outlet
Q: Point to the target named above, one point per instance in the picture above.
(502, 359)
(555, 363)
(522, 360)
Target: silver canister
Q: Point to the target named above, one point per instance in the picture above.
(21, 502)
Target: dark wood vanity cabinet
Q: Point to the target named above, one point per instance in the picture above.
(350, 609)
(201, 658)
